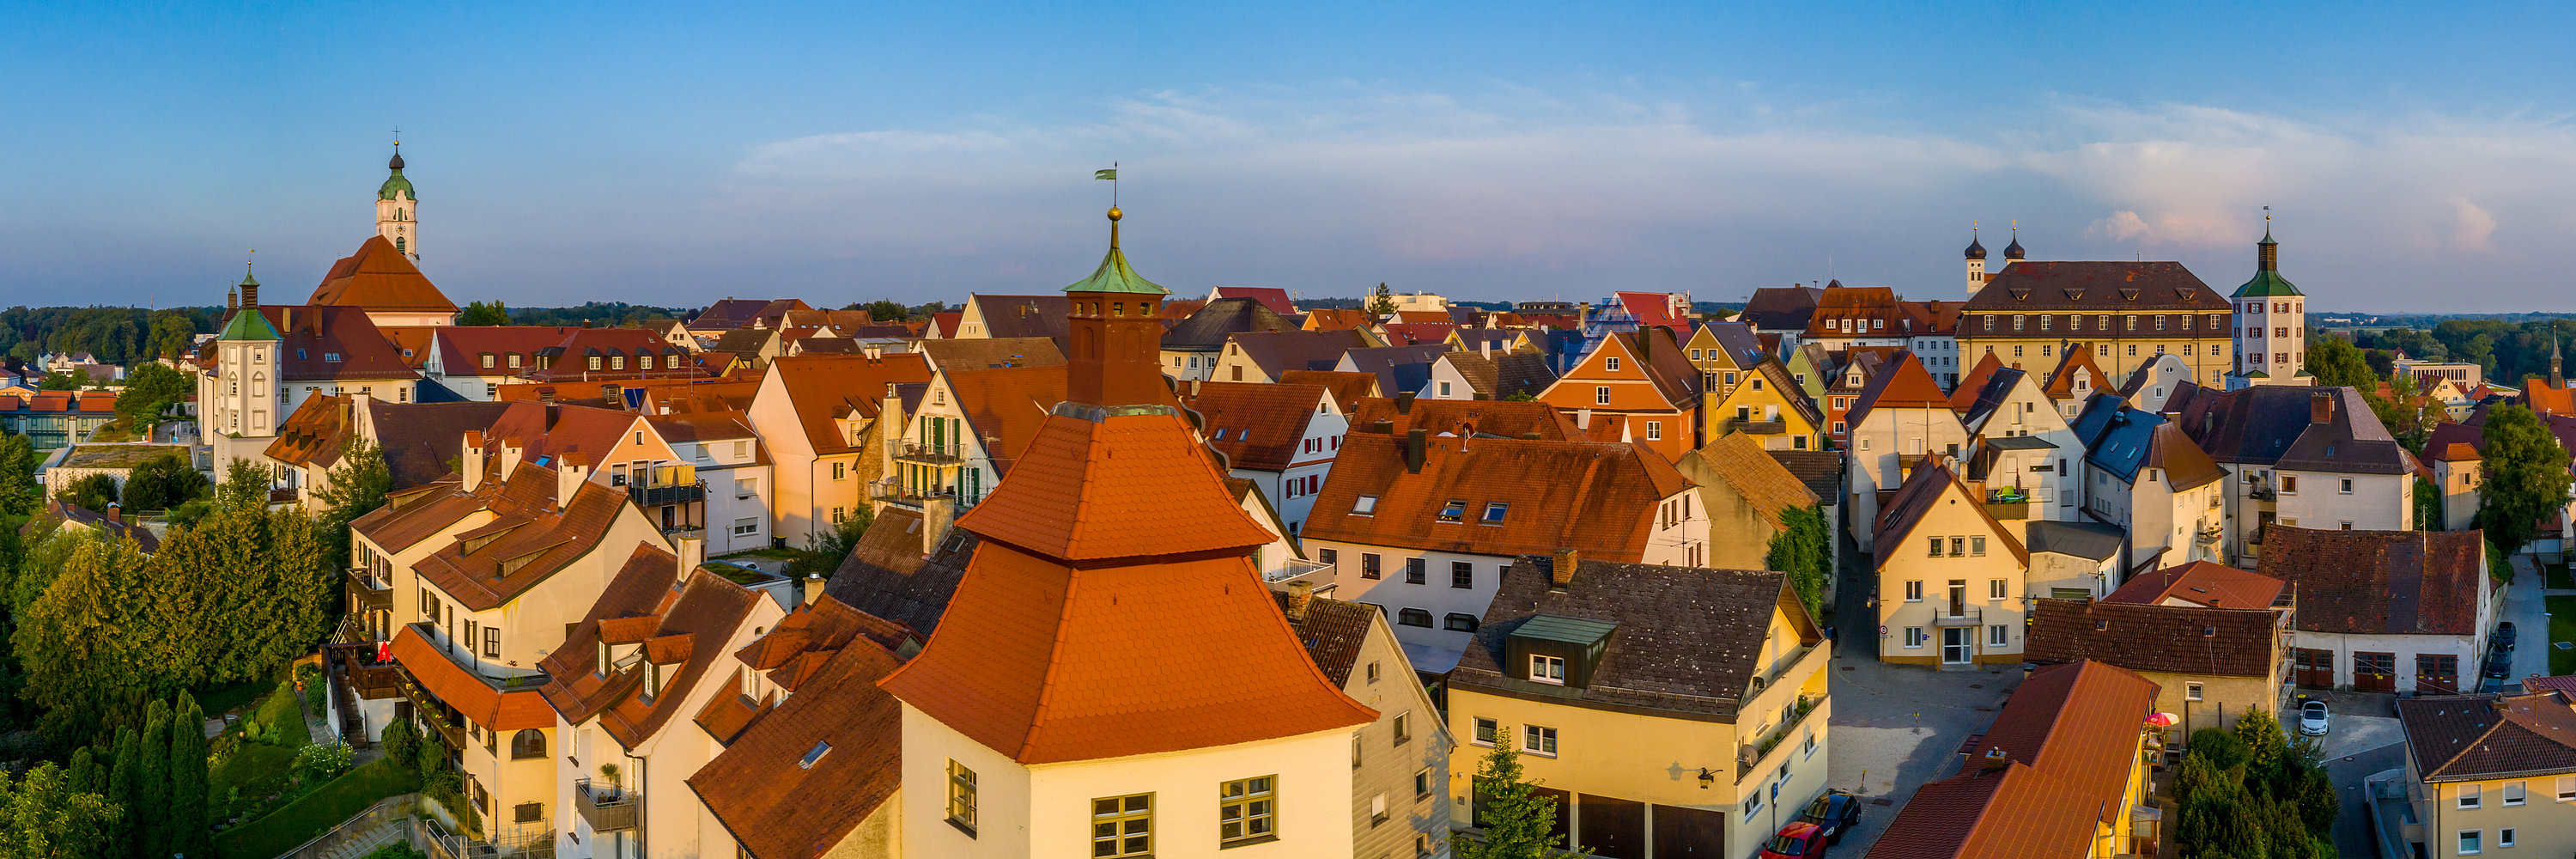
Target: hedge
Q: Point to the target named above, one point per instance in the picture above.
(327, 806)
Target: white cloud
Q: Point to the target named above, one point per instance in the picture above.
(2472, 228)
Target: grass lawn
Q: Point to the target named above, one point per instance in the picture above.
(781, 554)
(247, 779)
(2562, 627)
(2558, 578)
(301, 820)
(280, 711)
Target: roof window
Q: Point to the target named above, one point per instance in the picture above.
(1365, 505)
(814, 755)
(1494, 512)
(331, 356)
(1453, 510)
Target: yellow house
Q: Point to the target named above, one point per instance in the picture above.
(1768, 405)
(1677, 707)
(2130, 312)
(1724, 352)
(1950, 575)
(2490, 773)
(2062, 772)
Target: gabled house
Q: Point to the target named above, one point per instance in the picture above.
(2025, 451)
(2142, 473)
(1346, 388)
(2489, 773)
(1272, 297)
(1190, 349)
(817, 416)
(1282, 437)
(1723, 352)
(1748, 496)
(1401, 763)
(381, 281)
(1784, 311)
(1397, 368)
(811, 749)
(1262, 356)
(1951, 577)
(1015, 316)
(990, 353)
(1846, 379)
(964, 435)
(2385, 611)
(2075, 559)
(474, 361)
(2061, 773)
(1641, 379)
(1899, 419)
(1507, 419)
(2158, 381)
(1680, 707)
(732, 313)
(733, 471)
(2307, 456)
(1767, 405)
(1463, 375)
(1422, 524)
(2210, 664)
(2075, 379)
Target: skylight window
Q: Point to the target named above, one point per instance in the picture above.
(1453, 511)
(815, 755)
(1494, 512)
(1365, 505)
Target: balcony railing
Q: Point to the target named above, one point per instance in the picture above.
(1960, 616)
(930, 454)
(1295, 568)
(2262, 493)
(650, 496)
(2209, 536)
(605, 808)
(368, 592)
(1748, 426)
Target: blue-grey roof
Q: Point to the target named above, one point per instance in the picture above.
(2117, 438)
(2090, 540)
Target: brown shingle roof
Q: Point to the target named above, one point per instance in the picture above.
(1347, 388)
(879, 580)
(541, 537)
(1333, 632)
(2115, 287)
(1508, 418)
(1688, 639)
(1598, 498)
(2478, 737)
(776, 807)
(1923, 490)
(378, 277)
(2380, 582)
(984, 353)
(1820, 470)
(1256, 426)
(1277, 352)
(2235, 642)
(1746, 469)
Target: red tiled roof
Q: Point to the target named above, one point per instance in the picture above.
(1901, 384)
(1654, 308)
(332, 343)
(461, 348)
(1337, 319)
(2070, 736)
(823, 388)
(1271, 297)
(559, 430)
(1347, 388)
(2201, 583)
(2061, 381)
(540, 538)
(1417, 333)
(378, 277)
(2380, 582)
(1112, 609)
(1964, 396)
(776, 806)
(1598, 498)
(481, 702)
(413, 342)
(1256, 426)
(1492, 417)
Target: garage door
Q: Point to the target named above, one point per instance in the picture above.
(2313, 668)
(2374, 672)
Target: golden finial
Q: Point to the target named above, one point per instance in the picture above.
(1114, 214)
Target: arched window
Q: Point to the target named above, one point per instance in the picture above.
(527, 744)
(398, 243)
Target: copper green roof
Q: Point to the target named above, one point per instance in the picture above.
(1114, 275)
(248, 324)
(2267, 282)
(395, 183)
(248, 280)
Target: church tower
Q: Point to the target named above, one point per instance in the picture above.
(2271, 323)
(397, 209)
(1976, 262)
(244, 386)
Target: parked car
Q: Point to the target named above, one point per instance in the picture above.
(2505, 635)
(1835, 812)
(2312, 719)
(1800, 840)
(2500, 664)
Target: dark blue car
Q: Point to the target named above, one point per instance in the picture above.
(1833, 813)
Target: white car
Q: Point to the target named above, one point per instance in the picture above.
(2312, 719)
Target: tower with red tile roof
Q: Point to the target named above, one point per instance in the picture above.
(1111, 661)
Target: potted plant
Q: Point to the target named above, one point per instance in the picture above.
(608, 773)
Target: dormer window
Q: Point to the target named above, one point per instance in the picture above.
(1547, 669)
(331, 356)
(487, 360)
(1556, 650)
(617, 362)
(514, 360)
(594, 362)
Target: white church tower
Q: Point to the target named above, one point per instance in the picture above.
(2271, 323)
(244, 387)
(398, 210)
(1976, 262)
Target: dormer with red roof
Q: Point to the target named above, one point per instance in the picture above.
(1111, 646)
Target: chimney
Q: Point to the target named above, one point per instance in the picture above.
(570, 470)
(692, 549)
(1382, 427)
(2321, 407)
(813, 588)
(115, 513)
(1583, 418)
(470, 461)
(1994, 760)
(511, 450)
(936, 516)
(1415, 442)
(1404, 403)
(1561, 574)
(286, 315)
(1300, 595)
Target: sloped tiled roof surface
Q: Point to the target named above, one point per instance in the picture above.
(1820, 470)
(1510, 419)
(2479, 737)
(1337, 319)
(1122, 486)
(534, 533)
(1903, 384)
(1417, 333)
(1973, 385)
(482, 702)
(1748, 470)
(2267, 424)
(1256, 426)
(1398, 368)
(625, 612)
(878, 580)
(461, 348)
(1207, 329)
(1781, 308)
(1598, 498)
(1272, 297)
(1026, 315)
(825, 388)
(1333, 632)
(1932, 482)
(314, 435)
(1688, 639)
(1347, 388)
(421, 439)
(378, 277)
(2233, 642)
(984, 353)
(2077, 363)
(2029, 286)
(332, 343)
(2070, 737)
(2203, 583)
(2380, 582)
(1277, 352)
(777, 807)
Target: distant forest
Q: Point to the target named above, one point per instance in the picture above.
(2510, 351)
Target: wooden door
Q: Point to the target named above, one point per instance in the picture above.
(2313, 668)
(2374, 672)
(2437, 674)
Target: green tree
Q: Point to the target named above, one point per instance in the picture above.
(2266, 748)
(1518, 820)
(401, 744)
(825, 550)
(84, 772)
(484, 313)
(89, 645)
(2221, 747)
(882, 310)
(1801, 550)
(355, 487)
(187, 813)
(2526, 476)
(171, 332)
(2335, 363)
(2428, 505)
(1381, 302)
(59, 381)
(94, 492)
(245, 487)
(42, 817)
(149, 393)
(125, 781)
(164, 482)
(19, 494)
(152, 796)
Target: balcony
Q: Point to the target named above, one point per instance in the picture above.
(1747, 426)
(605, 808)
(2263, 493)
(1298, 568)
(2008, 504)
(2209, 536)
(930, 454)
(654, 496)
(1959, 616)
(368, 591)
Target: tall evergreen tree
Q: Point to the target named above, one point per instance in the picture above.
(43, 817)
(1381, 302)
(88, 644)
(152, 794)
(186, 817)
(19, 495)
(125, 782)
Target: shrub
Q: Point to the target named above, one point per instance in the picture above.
(2221, 747)
(320, 762)
(402, 745)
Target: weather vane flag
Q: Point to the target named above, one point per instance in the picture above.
(1111, 176)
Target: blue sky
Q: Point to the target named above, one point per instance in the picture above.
(2418, 158)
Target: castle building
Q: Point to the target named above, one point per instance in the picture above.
(2028, 314)
(2271, 323)
(1978, 276)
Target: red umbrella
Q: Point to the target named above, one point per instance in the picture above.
(2164, 720)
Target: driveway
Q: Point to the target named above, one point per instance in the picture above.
(1895, 728)
(2525, 605)
(2352, 835)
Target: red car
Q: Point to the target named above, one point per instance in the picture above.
(1801, 840)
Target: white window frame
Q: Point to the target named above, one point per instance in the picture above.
(2515, 794)
(1533, 736)
(2471, 796)
(1547, 669)
(2471, 842)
